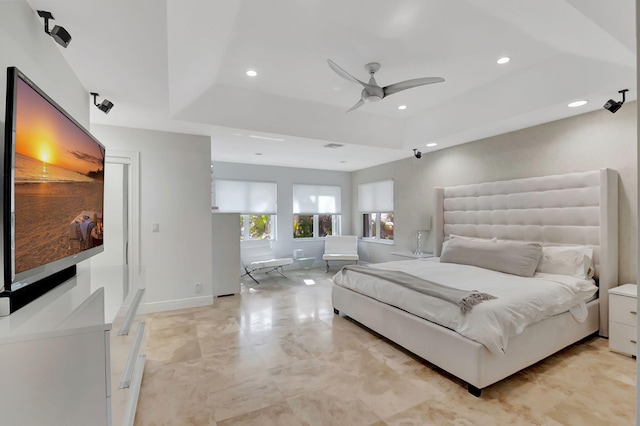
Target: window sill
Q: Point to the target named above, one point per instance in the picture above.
(376, 241)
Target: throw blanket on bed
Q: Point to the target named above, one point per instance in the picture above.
(464, 299)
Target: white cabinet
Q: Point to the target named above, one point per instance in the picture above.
(623, 313)
(225, 228)
(128, 338)
(55, 359)
(411, 254)
(56, 353)
(127, 366)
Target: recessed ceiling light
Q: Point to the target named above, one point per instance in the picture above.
(402, 107)
(504, 60)
(432, 144)
(259, 153)
(251, 73)
(576, 104)
(343, 161)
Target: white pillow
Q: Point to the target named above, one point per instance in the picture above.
(511, 257)
(463, 237)
(488, 240)
(575, 261)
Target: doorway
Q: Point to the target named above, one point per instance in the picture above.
(121, 217)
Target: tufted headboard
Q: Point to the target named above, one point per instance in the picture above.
(569, 209)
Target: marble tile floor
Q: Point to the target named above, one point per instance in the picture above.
(277, 355)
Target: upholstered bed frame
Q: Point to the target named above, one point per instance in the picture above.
(569, 209)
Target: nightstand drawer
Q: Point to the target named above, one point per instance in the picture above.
(622, 338)
(623, 309)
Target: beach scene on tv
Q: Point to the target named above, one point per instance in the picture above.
(59, 184)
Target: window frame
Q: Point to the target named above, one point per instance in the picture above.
(336, 224)
(377, 237)
(246, 218)
(376, 198)
(314, 200)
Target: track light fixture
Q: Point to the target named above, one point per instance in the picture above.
(105, 106)
(59, 34)
(417, 153)
(612, 105)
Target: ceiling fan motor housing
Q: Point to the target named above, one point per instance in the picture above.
(374, 95)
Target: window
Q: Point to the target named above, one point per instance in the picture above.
(375, 203)
(256, 203)
(315, 225)
(316, 211)
(372, 222)
(257, 227)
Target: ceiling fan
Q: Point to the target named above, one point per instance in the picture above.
(372, 92)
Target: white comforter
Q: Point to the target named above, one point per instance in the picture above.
(520, 301)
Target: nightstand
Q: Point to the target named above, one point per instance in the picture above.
(412, 254)
(623, 319)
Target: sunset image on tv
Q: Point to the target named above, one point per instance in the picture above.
(58, 173)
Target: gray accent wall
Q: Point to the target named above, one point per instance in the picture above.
(286, 177)
(585, 142)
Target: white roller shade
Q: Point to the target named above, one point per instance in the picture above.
(316, 199)
(375, 197)
(233, 196)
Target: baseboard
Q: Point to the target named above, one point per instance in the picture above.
(172, 305)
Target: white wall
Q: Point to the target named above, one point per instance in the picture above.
(584, 142)
(175, 184)
(24, 44)
(286, 177)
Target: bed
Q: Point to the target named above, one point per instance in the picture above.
(569, 210)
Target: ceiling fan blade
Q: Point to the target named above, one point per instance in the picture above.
(342, 73)
(408, 84)
(357, 105)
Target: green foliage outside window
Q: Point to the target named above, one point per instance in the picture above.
(303, 226)
(371, 222)
(386, 226)
(325, 225)
(259, 226)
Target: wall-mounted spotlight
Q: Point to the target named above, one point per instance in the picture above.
(105, 106)
(59, 34)
(612, 105)
(417, 153)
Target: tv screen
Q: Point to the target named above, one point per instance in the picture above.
(53, 189)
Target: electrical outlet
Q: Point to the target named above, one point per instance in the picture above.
(198, 288)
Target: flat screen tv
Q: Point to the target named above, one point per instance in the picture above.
(52, 193)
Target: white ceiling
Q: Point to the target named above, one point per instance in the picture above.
(180, 66)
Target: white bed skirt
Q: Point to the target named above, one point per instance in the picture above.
(464, 358)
